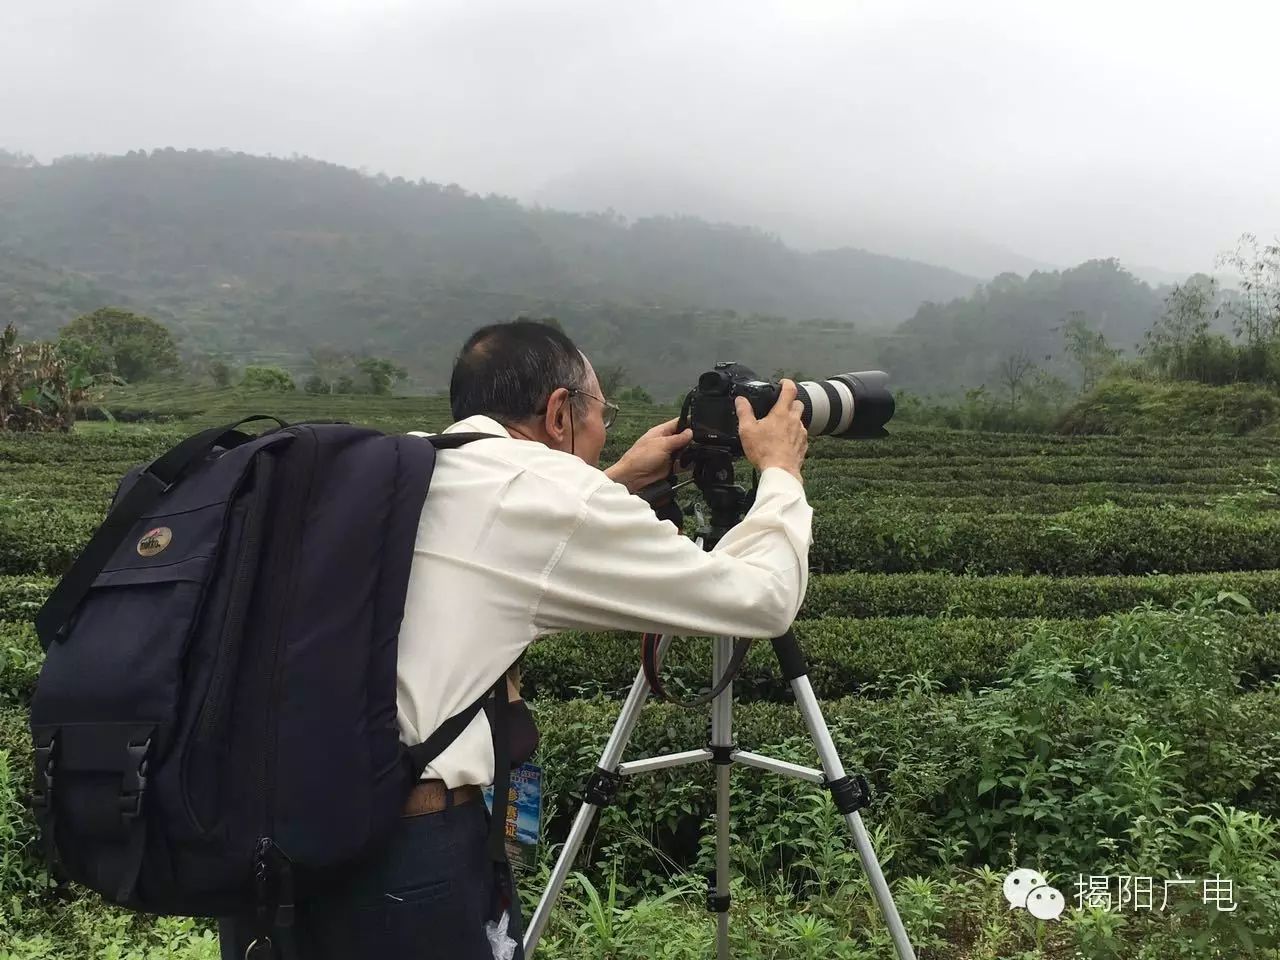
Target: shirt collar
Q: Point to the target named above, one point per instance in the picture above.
(478, 424)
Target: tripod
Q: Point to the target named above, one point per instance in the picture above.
(713, 472)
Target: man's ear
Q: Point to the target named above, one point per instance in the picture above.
(556, 422)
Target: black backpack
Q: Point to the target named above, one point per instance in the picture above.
(215, 722)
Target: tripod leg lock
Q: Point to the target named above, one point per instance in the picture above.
(716, 903)
(602, 787)
(790, 656)
(850, 794)
(722, 756)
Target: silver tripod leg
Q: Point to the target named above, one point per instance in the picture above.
(609, 760)
(834, 770)
(721, 750)
(722, 737)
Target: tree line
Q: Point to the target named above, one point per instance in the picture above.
(44, 383)
(1032, 345)
(1203, 332)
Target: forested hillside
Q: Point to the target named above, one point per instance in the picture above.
(262, 259)
(965, 342)
(32, 293)
(257, 256)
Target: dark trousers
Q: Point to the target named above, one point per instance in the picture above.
(426, 896)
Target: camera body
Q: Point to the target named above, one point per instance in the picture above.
(711, 403)
(849, 405)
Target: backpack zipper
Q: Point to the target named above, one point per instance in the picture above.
(238, 601)
(290, 537)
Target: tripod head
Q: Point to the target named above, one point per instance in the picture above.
(713, 475)
(727, 501)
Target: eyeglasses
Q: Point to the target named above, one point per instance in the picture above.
(610, 412)
(610, 409)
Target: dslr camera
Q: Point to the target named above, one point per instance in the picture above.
(852, 406)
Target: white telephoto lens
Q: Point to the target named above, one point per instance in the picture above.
(846, 406)
(819, 404)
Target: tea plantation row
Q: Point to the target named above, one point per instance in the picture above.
(44, 537)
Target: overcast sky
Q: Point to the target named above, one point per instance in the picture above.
(1057, 131)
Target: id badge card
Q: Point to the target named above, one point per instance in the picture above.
(524, 815)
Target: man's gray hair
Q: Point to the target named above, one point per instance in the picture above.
(508, 370)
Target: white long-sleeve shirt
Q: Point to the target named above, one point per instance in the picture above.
(517, 540)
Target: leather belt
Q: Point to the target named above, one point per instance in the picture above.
(430, 796)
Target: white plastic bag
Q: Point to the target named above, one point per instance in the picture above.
(504, 948)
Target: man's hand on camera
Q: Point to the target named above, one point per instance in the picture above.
(779, 439)
(650, 458)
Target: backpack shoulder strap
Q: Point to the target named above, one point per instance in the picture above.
(152, 483)
(449, 441)
(421, 755)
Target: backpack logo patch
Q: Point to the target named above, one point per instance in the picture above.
(154, 541)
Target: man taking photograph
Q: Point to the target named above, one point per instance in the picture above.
(521, 536)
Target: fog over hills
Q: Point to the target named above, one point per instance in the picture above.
(801, 184)
(969, 136)
(254, 255)
(641, 190)
(258, 257)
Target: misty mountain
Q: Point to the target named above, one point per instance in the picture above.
(253, 256)
(650, 189)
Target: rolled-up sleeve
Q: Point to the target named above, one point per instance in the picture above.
(621, 568)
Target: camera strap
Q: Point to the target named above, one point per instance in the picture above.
(649, 662)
